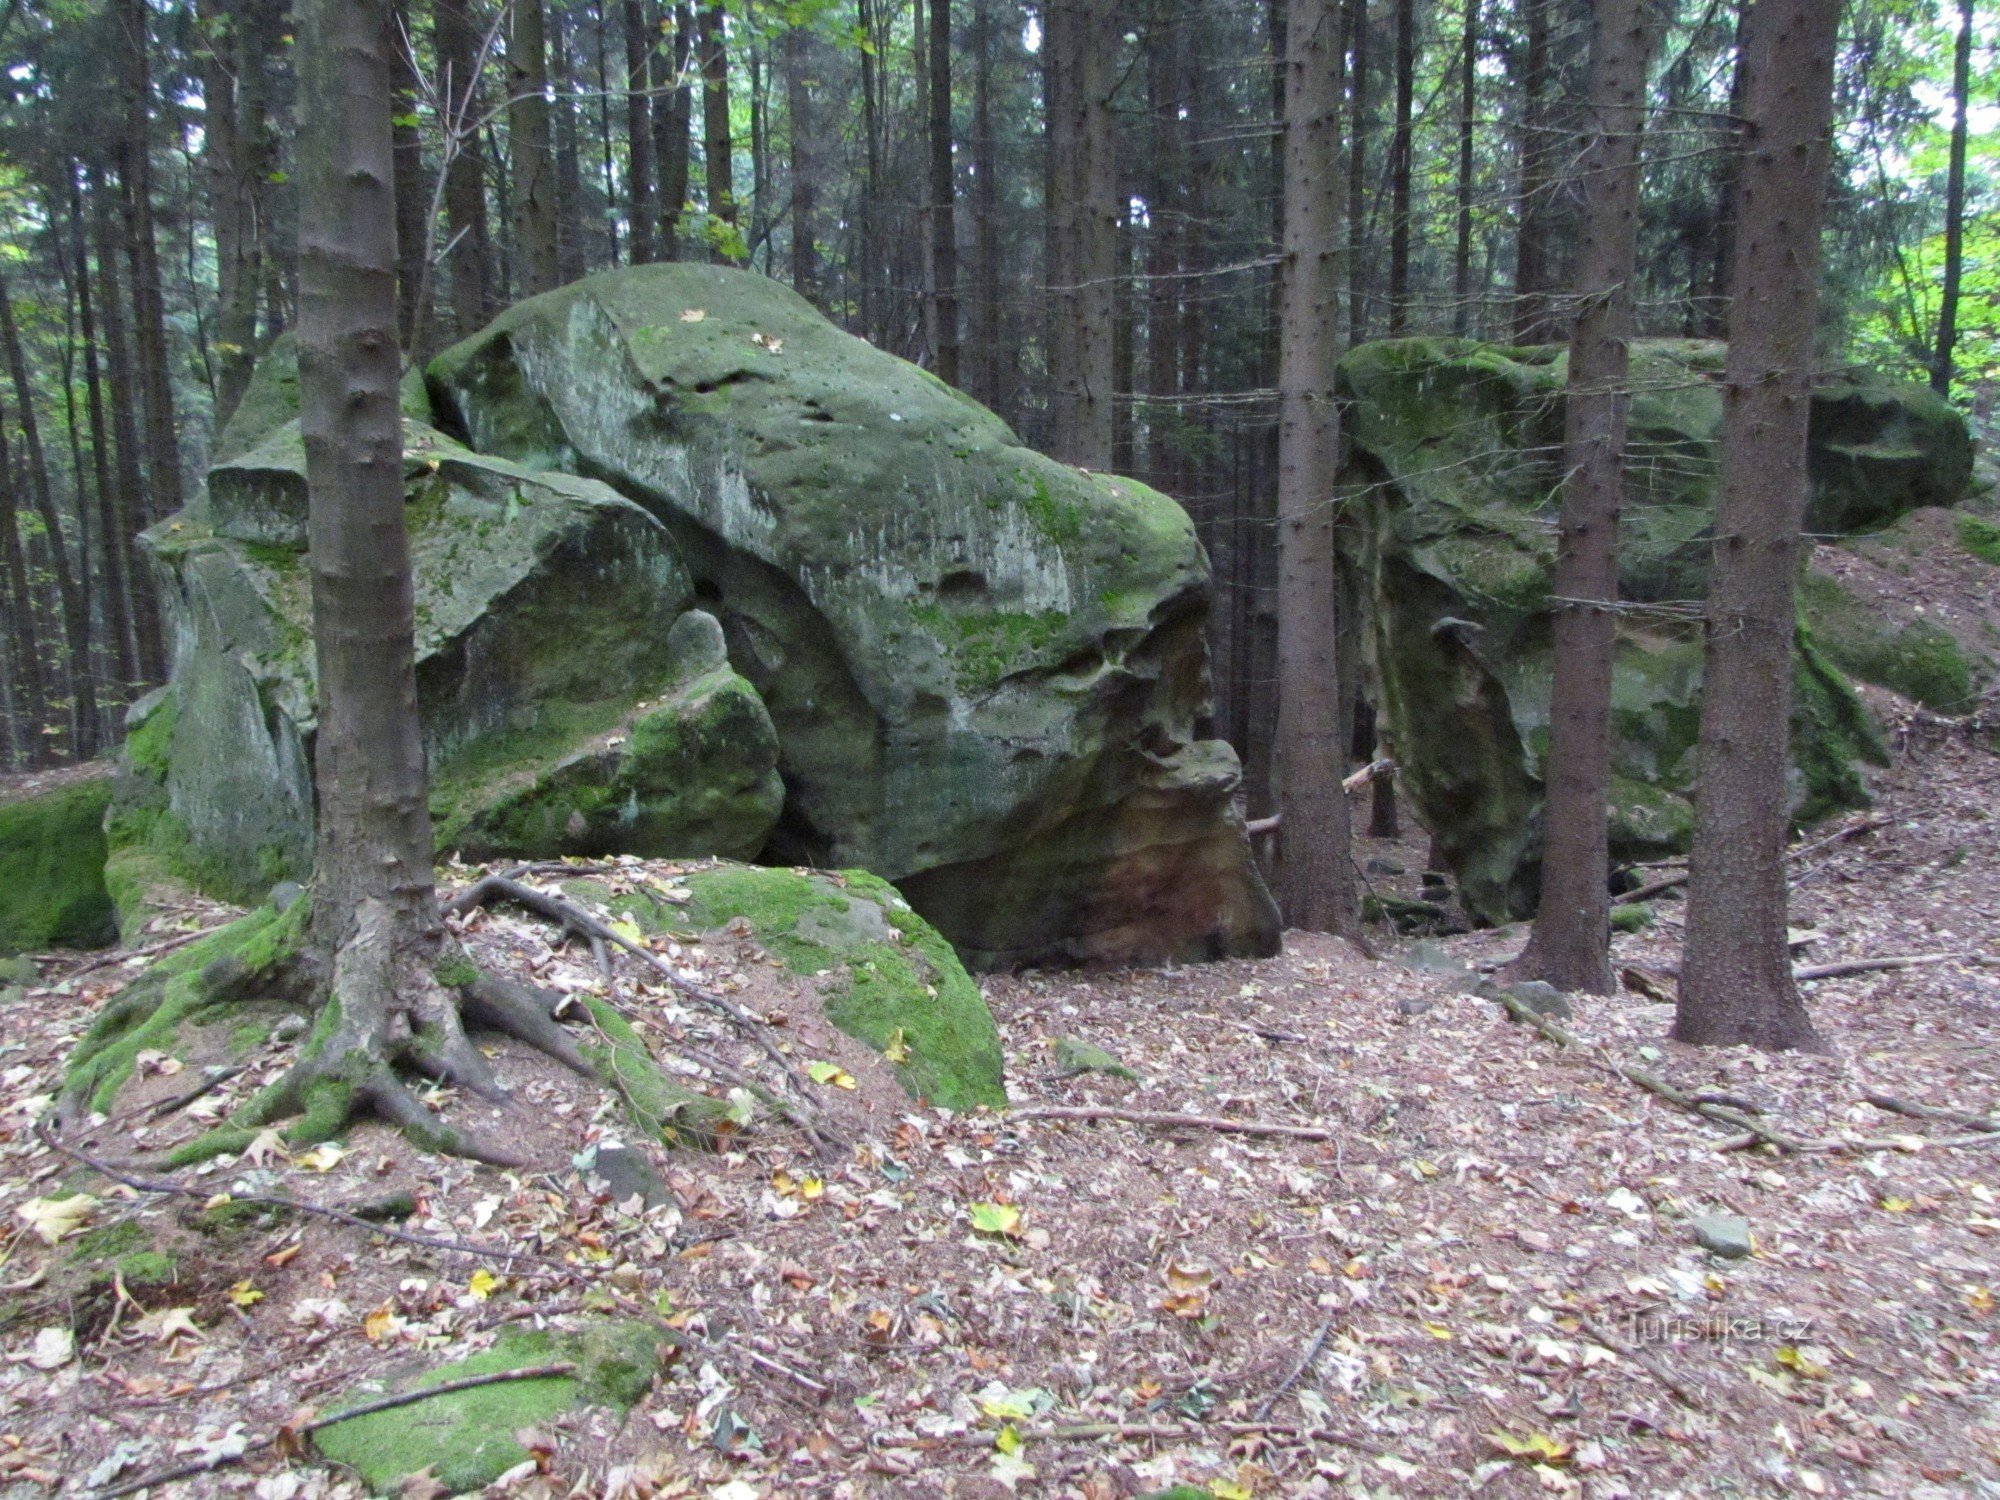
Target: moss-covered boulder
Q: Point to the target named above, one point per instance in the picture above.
(1452, 481)
(52, 892)
(879, 972)
(467, 1438)
(571, 705)
(986, 668)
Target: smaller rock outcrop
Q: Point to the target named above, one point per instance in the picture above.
(1452, 479)
(52, 892)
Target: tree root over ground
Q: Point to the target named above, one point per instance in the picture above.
(381, 1014)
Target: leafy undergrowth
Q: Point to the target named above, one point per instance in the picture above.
(1494, 1265)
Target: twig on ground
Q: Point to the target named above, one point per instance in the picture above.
(1873, 965)
(166, 1188)
(1668, 882)
(227, 1459)
(1077, 1432)
(151, 950)
(766, 1363)
(1638, 1357)
(1298, 1371)
(1933, 1112)
(1169, 1120)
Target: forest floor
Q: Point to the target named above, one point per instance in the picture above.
(1486, 1279)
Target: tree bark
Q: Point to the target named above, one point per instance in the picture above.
(125, 427)
(236, 154)
(1736, 976)
(799, 61)
(164, 493)
(374, 818)
(1954, 209)
(1355, 22)
(530, 151)
(989, 386)
(1315, 883)
(458, 43)
(717, 145)
(1468, 101)
(672, 123)
(413, 193)
(943, 195)
(1084, 160)
(641, 186)
(72, 585)
(114, 551)
(1532, 324)
(1570, 944)
(565, 136)
(31, 696)
(1399, 168)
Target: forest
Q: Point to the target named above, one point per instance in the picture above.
(1109, 748)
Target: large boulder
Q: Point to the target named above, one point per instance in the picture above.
(52, 891)
(986, 668)
(572, 702)
(1452, 479)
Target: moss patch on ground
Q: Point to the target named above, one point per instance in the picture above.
(125, 1249)
(52, 853)
(1919, 660)
(466, 1439)
(889, 978)
(1981, 538)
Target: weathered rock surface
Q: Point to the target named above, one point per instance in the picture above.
(986, 668)
(571, 702)
(52, 891)
(1452, 480)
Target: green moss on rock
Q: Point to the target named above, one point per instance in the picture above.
(1919, 660)
(466, 1438)
(52, 853)
(1981, 538)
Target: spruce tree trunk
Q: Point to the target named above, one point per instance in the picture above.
(1531, 250)
(413, 193)
(72, 583)
(1399, 168)
(164, 493)
(1084, 215)
(800, 60)
(988, 383)
(1736, 977)
(114, 550)
(673, 116)
(717, 144)
(1355, 22)
(236, 154)
(1468, 100)
(565, 134)
(643, 188)
(473, 275)
(944, 192)
(1954, 210)
(1570, 945)
(31, 697)
(1315, 883)
(146, 628)
(530, 152)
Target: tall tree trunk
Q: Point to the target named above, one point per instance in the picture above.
(869, 250)
(987, 382)
(237, 152)
(114, 548)
(640, 38)
(1954, 207)
(572, 238)
(1166, 89)
(760, 163)
(1531, 249)
(1399, 168)
(1315, 883)
(31, 695)
(672, 124)
(1355, 20)
(531, 153)
(1084, 158)
(72, 584)
(1570, 945)
(164, 492)
(944, 191)
(800, 61)
(717, 144)
(473, 275)
(1468, 101)
(413, 193)
(123, 379)
(1736, 977)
